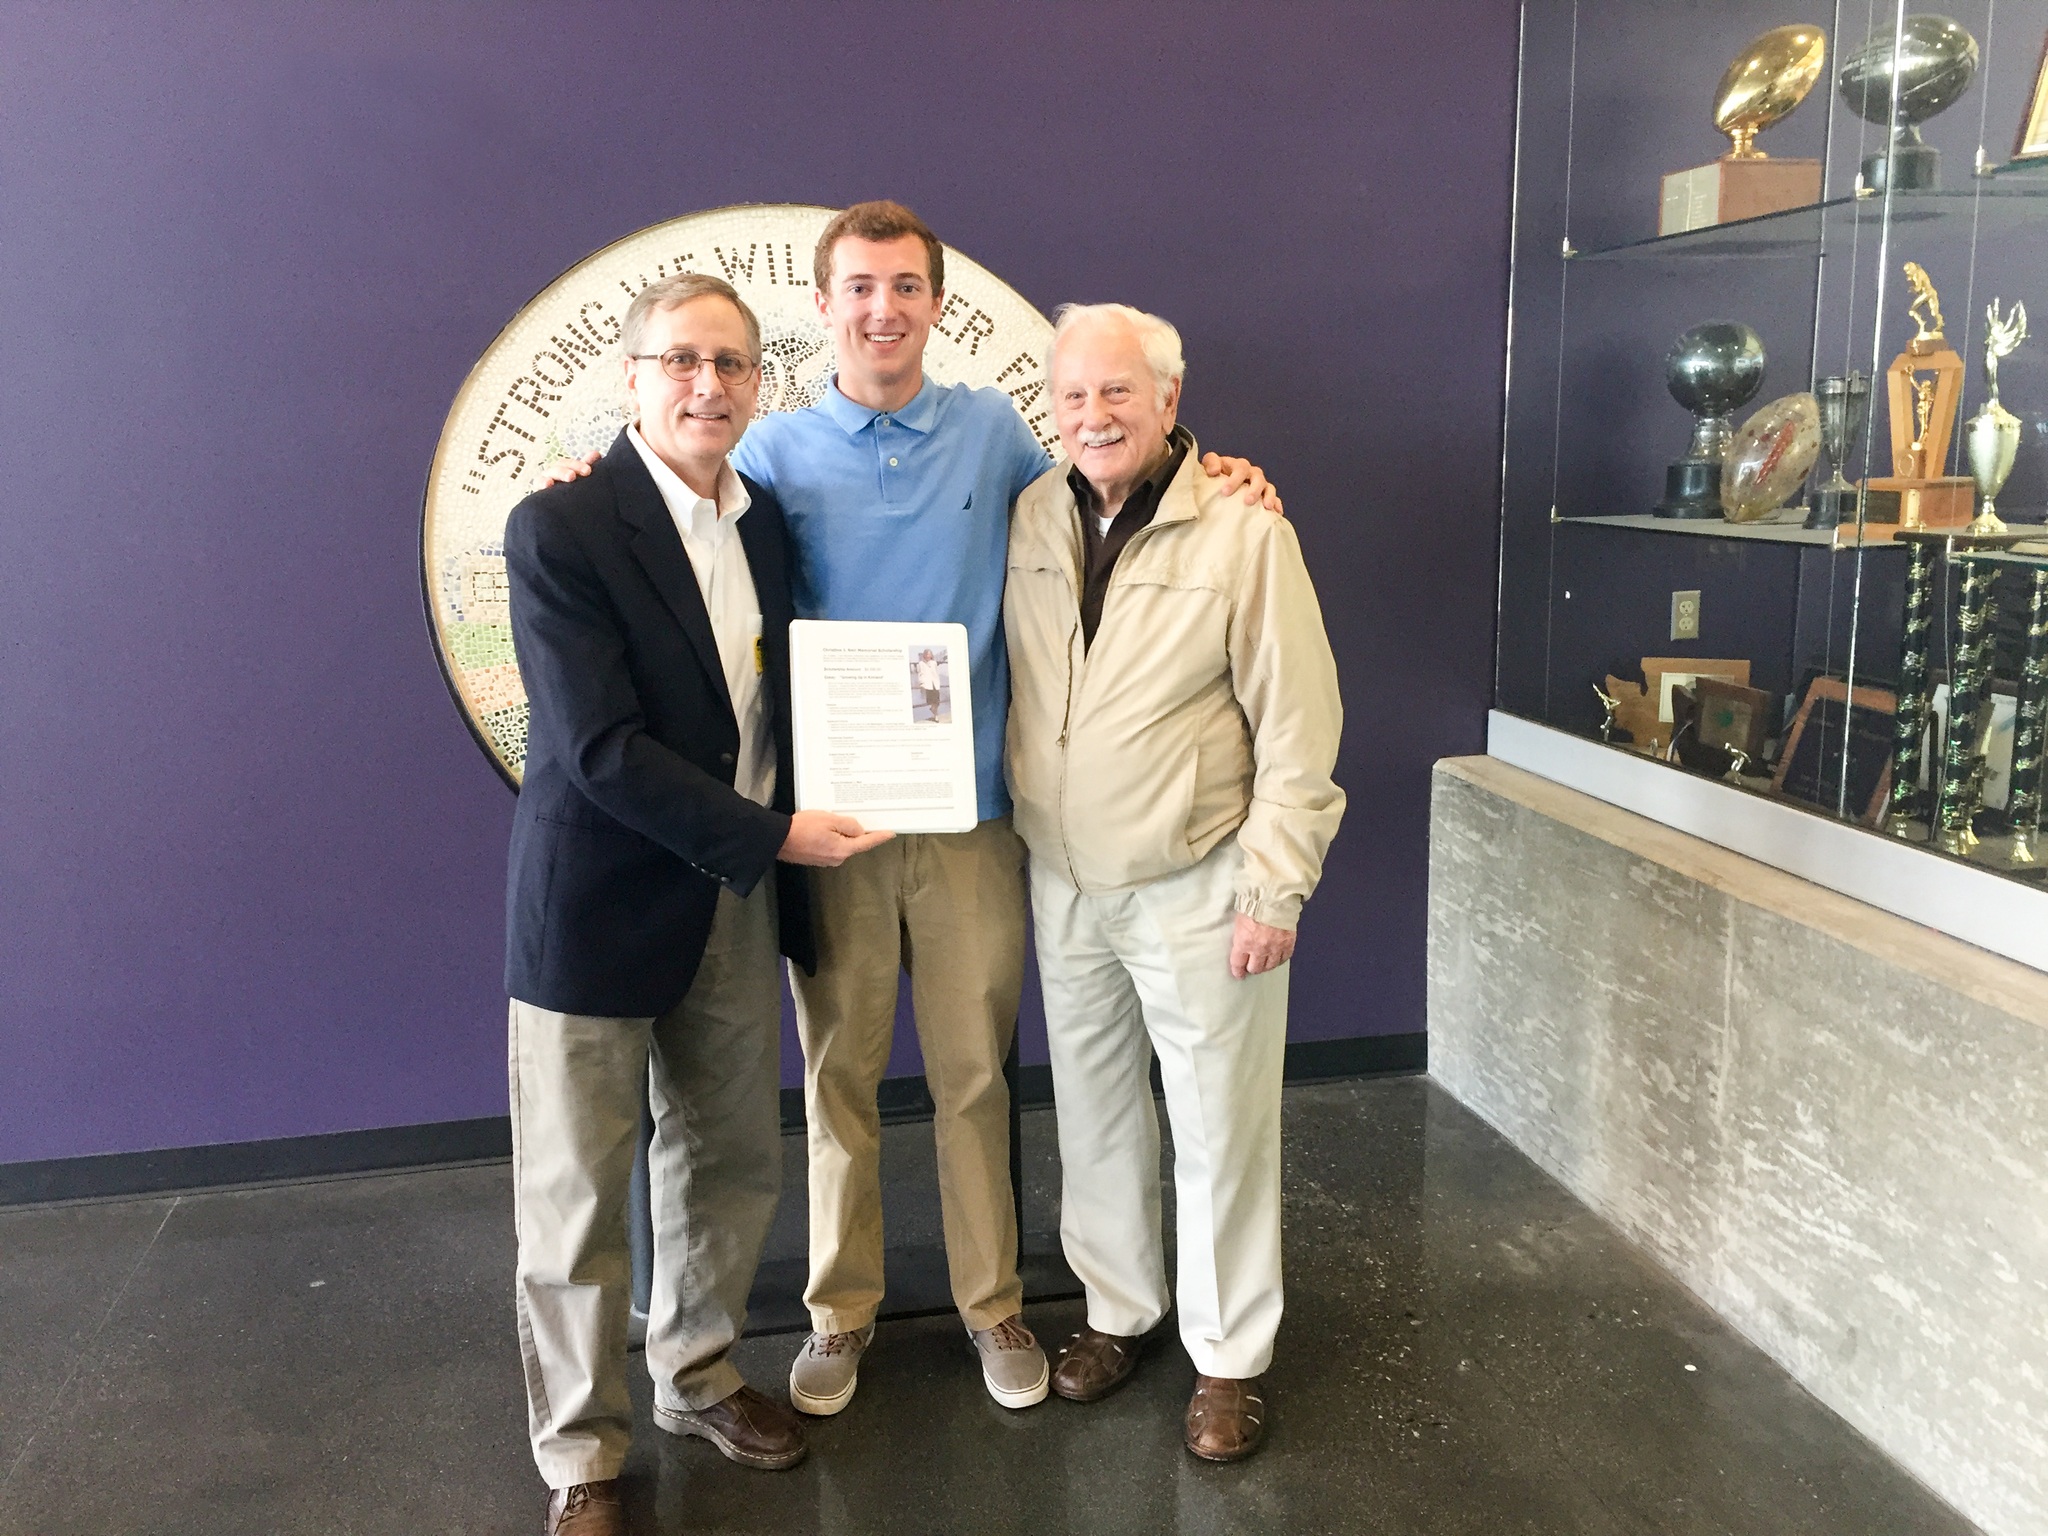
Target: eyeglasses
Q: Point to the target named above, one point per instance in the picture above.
(681, 364)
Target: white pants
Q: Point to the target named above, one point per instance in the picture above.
(711, 1067)
(1126, 974)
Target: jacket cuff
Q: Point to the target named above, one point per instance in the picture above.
(1272, 910)
(768, 831)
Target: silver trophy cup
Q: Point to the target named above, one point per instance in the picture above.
(1991, 438)
(1844, 416)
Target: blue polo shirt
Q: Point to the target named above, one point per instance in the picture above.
(905, 515)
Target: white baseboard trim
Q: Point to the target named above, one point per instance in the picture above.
(1974, 905)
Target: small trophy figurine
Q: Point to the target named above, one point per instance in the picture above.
(1612, 706)
(1844, 413)
(1925, 308)
(1992, 436)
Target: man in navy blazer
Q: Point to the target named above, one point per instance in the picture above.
(651, 886)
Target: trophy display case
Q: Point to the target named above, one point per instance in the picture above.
(1775, 491)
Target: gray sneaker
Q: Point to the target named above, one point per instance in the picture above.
(1012, 1364)
(826, 1370)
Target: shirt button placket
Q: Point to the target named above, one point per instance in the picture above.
(888, 459)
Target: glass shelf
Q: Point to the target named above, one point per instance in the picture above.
(2005, 197)
(1790, 531)
(2029, 555)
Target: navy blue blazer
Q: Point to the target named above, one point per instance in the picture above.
(627, 822)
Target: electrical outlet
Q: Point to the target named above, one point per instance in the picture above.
(1685, 615)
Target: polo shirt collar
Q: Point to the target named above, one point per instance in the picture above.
(918, 415)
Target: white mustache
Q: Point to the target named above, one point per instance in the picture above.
(1102, 439)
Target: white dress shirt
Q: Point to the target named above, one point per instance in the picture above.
(711, 538)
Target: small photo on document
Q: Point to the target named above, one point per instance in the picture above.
(931, 686)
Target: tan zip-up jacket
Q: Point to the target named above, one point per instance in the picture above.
(1206, 706)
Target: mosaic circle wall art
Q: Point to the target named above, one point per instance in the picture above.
(551, 385)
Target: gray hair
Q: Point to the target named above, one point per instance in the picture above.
(1158, 338)
(668, 292)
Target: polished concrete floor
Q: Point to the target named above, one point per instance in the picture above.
(1466, 1349)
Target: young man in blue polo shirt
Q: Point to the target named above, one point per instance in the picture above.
(897, 491)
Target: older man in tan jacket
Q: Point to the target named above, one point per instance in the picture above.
(1173, 724)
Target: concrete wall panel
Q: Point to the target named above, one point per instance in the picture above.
(1830, 1123)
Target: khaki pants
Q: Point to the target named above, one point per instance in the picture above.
(949, 909)
(1125, 974)
(711, 1066)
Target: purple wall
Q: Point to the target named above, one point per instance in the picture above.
(250, 861)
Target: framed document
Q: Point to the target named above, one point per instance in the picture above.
(1840, 733)
(884, 723)
(1661, 674)
(1733, 717)
(2032, 142)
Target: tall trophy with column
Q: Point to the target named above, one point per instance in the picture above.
(1991, 439)
(1923, 388)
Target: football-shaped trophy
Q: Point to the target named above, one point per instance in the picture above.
(1767, 80)
(1770, 458)
(1930, 63)
(1713, 370)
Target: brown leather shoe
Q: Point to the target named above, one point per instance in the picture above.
(753, 1430)
(588, 1509)
(1093, 1364)
(1226, 1419)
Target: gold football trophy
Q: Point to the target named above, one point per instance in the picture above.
(1924, 386)
(1767, 80)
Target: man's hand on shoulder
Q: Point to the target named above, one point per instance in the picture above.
(1245, 476)
(825, 840)
(562, 471)
(1256, 947)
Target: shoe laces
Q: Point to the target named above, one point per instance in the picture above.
(577, 1497)
(833, 1343)
(1010, 1333)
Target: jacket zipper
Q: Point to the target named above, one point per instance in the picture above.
(1075, 667)
(1066, 727)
